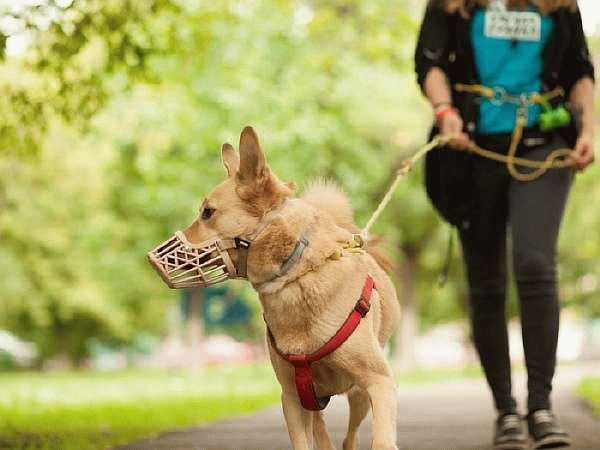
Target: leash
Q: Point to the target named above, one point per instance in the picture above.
(498, 96)
(553, 161)
(302, 363)
(406, 167)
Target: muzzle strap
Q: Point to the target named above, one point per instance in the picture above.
(242, 247)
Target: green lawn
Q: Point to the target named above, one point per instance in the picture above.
(83, 410)
(95, 410)
(589, 389)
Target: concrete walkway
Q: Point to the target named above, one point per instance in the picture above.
(449, 416)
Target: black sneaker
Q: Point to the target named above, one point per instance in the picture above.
(545, 431)
(510, 434)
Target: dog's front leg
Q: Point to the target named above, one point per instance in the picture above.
(298, 420)
(382, 392)
(320, 433)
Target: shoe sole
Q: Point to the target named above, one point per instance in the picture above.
(512, 446)
(552, 442)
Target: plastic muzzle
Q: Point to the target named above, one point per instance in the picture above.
(182, 264)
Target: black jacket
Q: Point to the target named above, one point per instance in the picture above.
(444, 41)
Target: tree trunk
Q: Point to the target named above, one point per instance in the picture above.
(409, 319)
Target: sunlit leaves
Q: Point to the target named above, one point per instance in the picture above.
(112, 122)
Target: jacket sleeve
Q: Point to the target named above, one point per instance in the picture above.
(433, 43)
(577, 62)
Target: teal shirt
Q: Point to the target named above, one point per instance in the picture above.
(513, 65)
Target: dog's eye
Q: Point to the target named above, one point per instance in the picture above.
(207, 213)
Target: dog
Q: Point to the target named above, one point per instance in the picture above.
(308, 282)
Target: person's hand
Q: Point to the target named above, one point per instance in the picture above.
(451, 124)
(583, 153)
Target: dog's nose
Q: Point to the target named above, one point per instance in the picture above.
(191, 233)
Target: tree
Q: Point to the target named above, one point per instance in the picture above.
(111, 133)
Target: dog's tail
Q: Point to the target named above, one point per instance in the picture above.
(328, 196)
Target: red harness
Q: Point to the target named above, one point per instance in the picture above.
(302, 362)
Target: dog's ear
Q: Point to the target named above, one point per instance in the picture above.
(253, 169)
(231, 159)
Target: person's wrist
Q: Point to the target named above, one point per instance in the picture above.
(587, 132)
(442, 111)
(442, 104)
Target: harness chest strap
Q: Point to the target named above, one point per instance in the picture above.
(302, 362)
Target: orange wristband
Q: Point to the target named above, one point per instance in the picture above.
(441, 112)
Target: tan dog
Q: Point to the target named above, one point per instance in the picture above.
(306, 306)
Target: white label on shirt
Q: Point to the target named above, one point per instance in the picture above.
(515, 25)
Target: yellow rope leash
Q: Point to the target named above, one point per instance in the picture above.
(553, 161)
(489, 92)
(557, 159)
(498, 95)
(406, 167)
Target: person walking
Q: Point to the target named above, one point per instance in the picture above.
(491, 69)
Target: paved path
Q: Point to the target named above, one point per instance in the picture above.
(449, 416)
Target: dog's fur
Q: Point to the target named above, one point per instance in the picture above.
(307, 305)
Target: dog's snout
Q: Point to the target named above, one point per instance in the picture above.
(192, 233)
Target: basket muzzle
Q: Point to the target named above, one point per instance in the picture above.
(182, 264)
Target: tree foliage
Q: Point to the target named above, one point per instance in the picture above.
(114, 118)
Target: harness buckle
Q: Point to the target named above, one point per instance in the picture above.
(362, 307)
(241, 243)
(358, 240)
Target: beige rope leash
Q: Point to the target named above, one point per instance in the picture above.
(406, 167)
(553, 161)
(498, 96)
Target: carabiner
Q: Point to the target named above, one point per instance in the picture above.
(498, 96)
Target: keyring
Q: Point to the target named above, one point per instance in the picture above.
(498, 96)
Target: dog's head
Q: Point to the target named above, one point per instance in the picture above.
(216, 245)
(235, 207)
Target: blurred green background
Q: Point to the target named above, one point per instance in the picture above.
(112, 117)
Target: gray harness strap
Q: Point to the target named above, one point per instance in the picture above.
(294, 257)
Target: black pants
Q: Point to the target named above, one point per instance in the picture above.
(533, 211)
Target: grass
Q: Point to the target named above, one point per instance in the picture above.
(96, 410)
(91, 410)
(589, 389)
